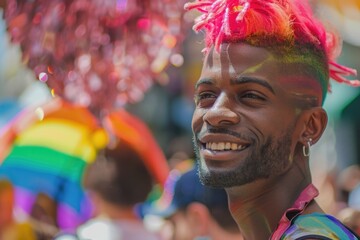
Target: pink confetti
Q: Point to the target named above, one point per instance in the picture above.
(85, 49)
(43, 77)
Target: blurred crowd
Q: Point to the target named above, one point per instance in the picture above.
(130, 193)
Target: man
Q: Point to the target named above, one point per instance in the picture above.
(259, 109)
(116, 181)
(194, 211)
(121, 176)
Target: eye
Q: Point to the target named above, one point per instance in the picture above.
(252, 95)
(204, 97)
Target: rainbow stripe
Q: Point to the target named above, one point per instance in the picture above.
(316, 224)
(49, 156)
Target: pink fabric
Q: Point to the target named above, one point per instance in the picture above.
(306, 196)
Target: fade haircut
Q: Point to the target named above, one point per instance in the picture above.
(286, 26)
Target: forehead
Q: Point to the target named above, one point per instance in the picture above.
(235, 57)
(236, 60)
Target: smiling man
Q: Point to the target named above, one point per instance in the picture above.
(259, 109)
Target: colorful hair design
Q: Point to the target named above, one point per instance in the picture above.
(270, 23)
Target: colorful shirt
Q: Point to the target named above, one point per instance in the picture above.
(317, 224)
(293, 225)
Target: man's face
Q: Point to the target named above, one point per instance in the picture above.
(244, 123)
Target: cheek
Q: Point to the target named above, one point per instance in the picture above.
(267, 121)
(270, 124)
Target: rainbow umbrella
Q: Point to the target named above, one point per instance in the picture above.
(46, 151)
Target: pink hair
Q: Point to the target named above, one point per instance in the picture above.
(276, 20)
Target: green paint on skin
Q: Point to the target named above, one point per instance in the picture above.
(293, 57)
(255, 68)
(292, 50)
(298, 98)
(308, 58)
(305, 57)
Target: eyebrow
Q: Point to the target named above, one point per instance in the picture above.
(246, 79)
(206, 81)
(239, 80)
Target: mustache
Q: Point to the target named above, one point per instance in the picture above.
(222, 131)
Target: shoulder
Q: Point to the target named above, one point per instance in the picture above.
(102, 228)
(134, 230)
(96, 228)
(317, 226)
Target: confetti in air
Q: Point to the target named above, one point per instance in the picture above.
(101, 54)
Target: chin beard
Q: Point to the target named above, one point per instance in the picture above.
(272, 159)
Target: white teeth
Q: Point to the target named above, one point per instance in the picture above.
(227, 145)
(234, 146)
(221, 146)
(214, 146)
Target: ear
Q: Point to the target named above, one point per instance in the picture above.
(315, 122)
(199, 217)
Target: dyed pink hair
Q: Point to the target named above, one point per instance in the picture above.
(271, 21)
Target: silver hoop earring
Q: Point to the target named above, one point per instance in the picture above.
(306, 152)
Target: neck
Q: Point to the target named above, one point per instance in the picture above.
(216, 232)
(257, 207)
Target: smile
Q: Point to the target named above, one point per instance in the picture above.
(223, 151)
(223, 146)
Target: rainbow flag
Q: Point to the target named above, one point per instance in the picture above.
(48, 150)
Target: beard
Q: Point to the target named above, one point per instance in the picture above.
(271, 159)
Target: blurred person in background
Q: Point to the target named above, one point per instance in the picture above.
(349, 196)
(43, 217)
(351, 218)
(347, 180)
(191, 210)
(354, 198)
(122, 175)
(259, 110)
(116, 181)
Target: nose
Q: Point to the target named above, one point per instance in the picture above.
(222, 112)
